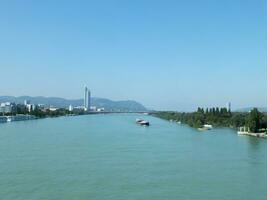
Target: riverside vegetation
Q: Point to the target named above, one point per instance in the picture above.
(255, 121)
(43, 113)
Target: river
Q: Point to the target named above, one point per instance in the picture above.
(110, 157)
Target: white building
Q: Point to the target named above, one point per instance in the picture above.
(26, 102)
(7, 107)
(100, 109)
(30, 107)
(53, 109)
(80, 108)
(70, 108)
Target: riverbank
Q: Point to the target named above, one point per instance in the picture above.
(25, 117)
(254, 121)
(22, 117)
(259, 135)
(4, 119)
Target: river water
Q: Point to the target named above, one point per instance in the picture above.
(109, 157)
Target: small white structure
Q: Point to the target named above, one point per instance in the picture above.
(93, 108)
(100, 109)
(70, 108)
(243, 130)
(53, 109)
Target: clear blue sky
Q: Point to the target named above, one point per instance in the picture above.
(165, 54)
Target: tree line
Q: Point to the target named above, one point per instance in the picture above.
(42, 113)
(219, 117)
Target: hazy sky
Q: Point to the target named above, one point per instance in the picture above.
(165, 54)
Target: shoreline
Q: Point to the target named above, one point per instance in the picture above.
(27, 117)
(258, 135)
(22, 117)
(19, 117)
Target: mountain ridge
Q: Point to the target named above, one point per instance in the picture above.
(109, 105)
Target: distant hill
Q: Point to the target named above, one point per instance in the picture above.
(109, 105)
(261, 109)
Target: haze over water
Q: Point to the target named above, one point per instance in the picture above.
(110, 157)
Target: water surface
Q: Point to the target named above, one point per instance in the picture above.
(109, 157)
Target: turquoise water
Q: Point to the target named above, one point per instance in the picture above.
(103, 157)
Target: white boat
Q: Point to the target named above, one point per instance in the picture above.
(205, 127)
(142, 122)
(9, 119)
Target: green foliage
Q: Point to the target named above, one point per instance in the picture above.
(255, 120)
(219, 117)
(264, 121)
(238, 119)
(42, 113)
(21, 109)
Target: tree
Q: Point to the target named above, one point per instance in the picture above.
(254, 120)
(200, 110)
(238, 119)
(264, 122)
(217, 111)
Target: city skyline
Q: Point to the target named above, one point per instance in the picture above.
(176, 56)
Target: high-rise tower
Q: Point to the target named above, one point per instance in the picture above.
(229, 106)
(87, 97)
(89, 100)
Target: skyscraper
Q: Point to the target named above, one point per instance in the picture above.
(229, 106)
(87, 97)
(26, 102)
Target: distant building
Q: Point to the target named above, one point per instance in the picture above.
(70, 108)
(30, 107)
(93, 108)
(41, 106)
(7, 107)
(53, 109)
(26, 102)
(229, 106)
(79, 107)
(87, 99)
(100, 109)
